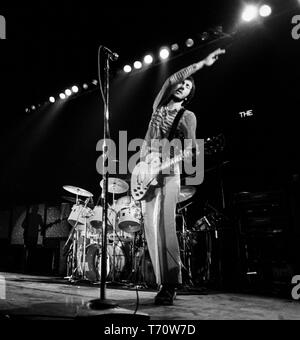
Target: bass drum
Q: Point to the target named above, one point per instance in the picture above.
(115, 263)
(93, 263)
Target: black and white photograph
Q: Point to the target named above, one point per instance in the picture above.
(150, 175)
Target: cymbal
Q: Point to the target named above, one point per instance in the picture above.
(186, 192)
(77, 191)
(116, 185)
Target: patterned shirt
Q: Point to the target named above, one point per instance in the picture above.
(163, 118)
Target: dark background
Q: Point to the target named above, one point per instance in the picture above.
(49, 49)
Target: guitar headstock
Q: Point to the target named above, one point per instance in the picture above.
(214, 144)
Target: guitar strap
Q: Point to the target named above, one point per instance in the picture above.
(175, 124)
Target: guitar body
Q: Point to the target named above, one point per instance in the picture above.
(145, 173)
(149, 175)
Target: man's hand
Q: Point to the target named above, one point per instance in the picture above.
(213, 57)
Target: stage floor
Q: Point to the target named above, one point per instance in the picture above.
(54, 298)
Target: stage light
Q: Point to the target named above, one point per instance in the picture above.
(33, 107)
(85, 86)
(26, 110)
(174, 47)
(189, 42)
(164, 53)
(68, 92)
(250, 13)
(137, 65)
(265, 11)
(148, 59)
(127, 68)
(75, 89)
(51, 99)
(204, 36)
(95, 82)
(62, 96)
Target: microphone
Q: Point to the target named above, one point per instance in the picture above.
(113, 56)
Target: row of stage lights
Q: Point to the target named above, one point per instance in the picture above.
(250, 13)
(64, 95)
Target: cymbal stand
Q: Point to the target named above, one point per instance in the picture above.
(74, 251)
(142, 255)
(75, 236)
(84, 238)
(186, 251)
(134, 265)
(114, 225)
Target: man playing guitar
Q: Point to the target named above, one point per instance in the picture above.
(159, 205)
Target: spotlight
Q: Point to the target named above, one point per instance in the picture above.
(62, 96)
(51, 99)
(68, 92)
(250, 13)
(189, 42)
(127, 68)
(265, 10)
(26, 110)
(95, 82)
(164, 53)
(33, 107)
(148, 59)
(137, 65)
(174, 47)
(85, 86)
(75, 89)
(204, 36)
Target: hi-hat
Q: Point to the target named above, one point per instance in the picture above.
(186, 192)
(116, 185)
(77, 191)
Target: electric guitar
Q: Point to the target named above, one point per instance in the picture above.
(145, 173)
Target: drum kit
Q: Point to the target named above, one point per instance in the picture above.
(124, 225)
(126, 244)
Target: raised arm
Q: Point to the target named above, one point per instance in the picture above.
(174, 79)
(182, 74)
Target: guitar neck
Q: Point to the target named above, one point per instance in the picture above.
(168, 163)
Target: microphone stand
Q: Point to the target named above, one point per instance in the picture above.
(103, 303)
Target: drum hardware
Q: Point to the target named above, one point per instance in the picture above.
(115, 186)
(142, 273)
(183, 235)
(78, 219)
(210, 224)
